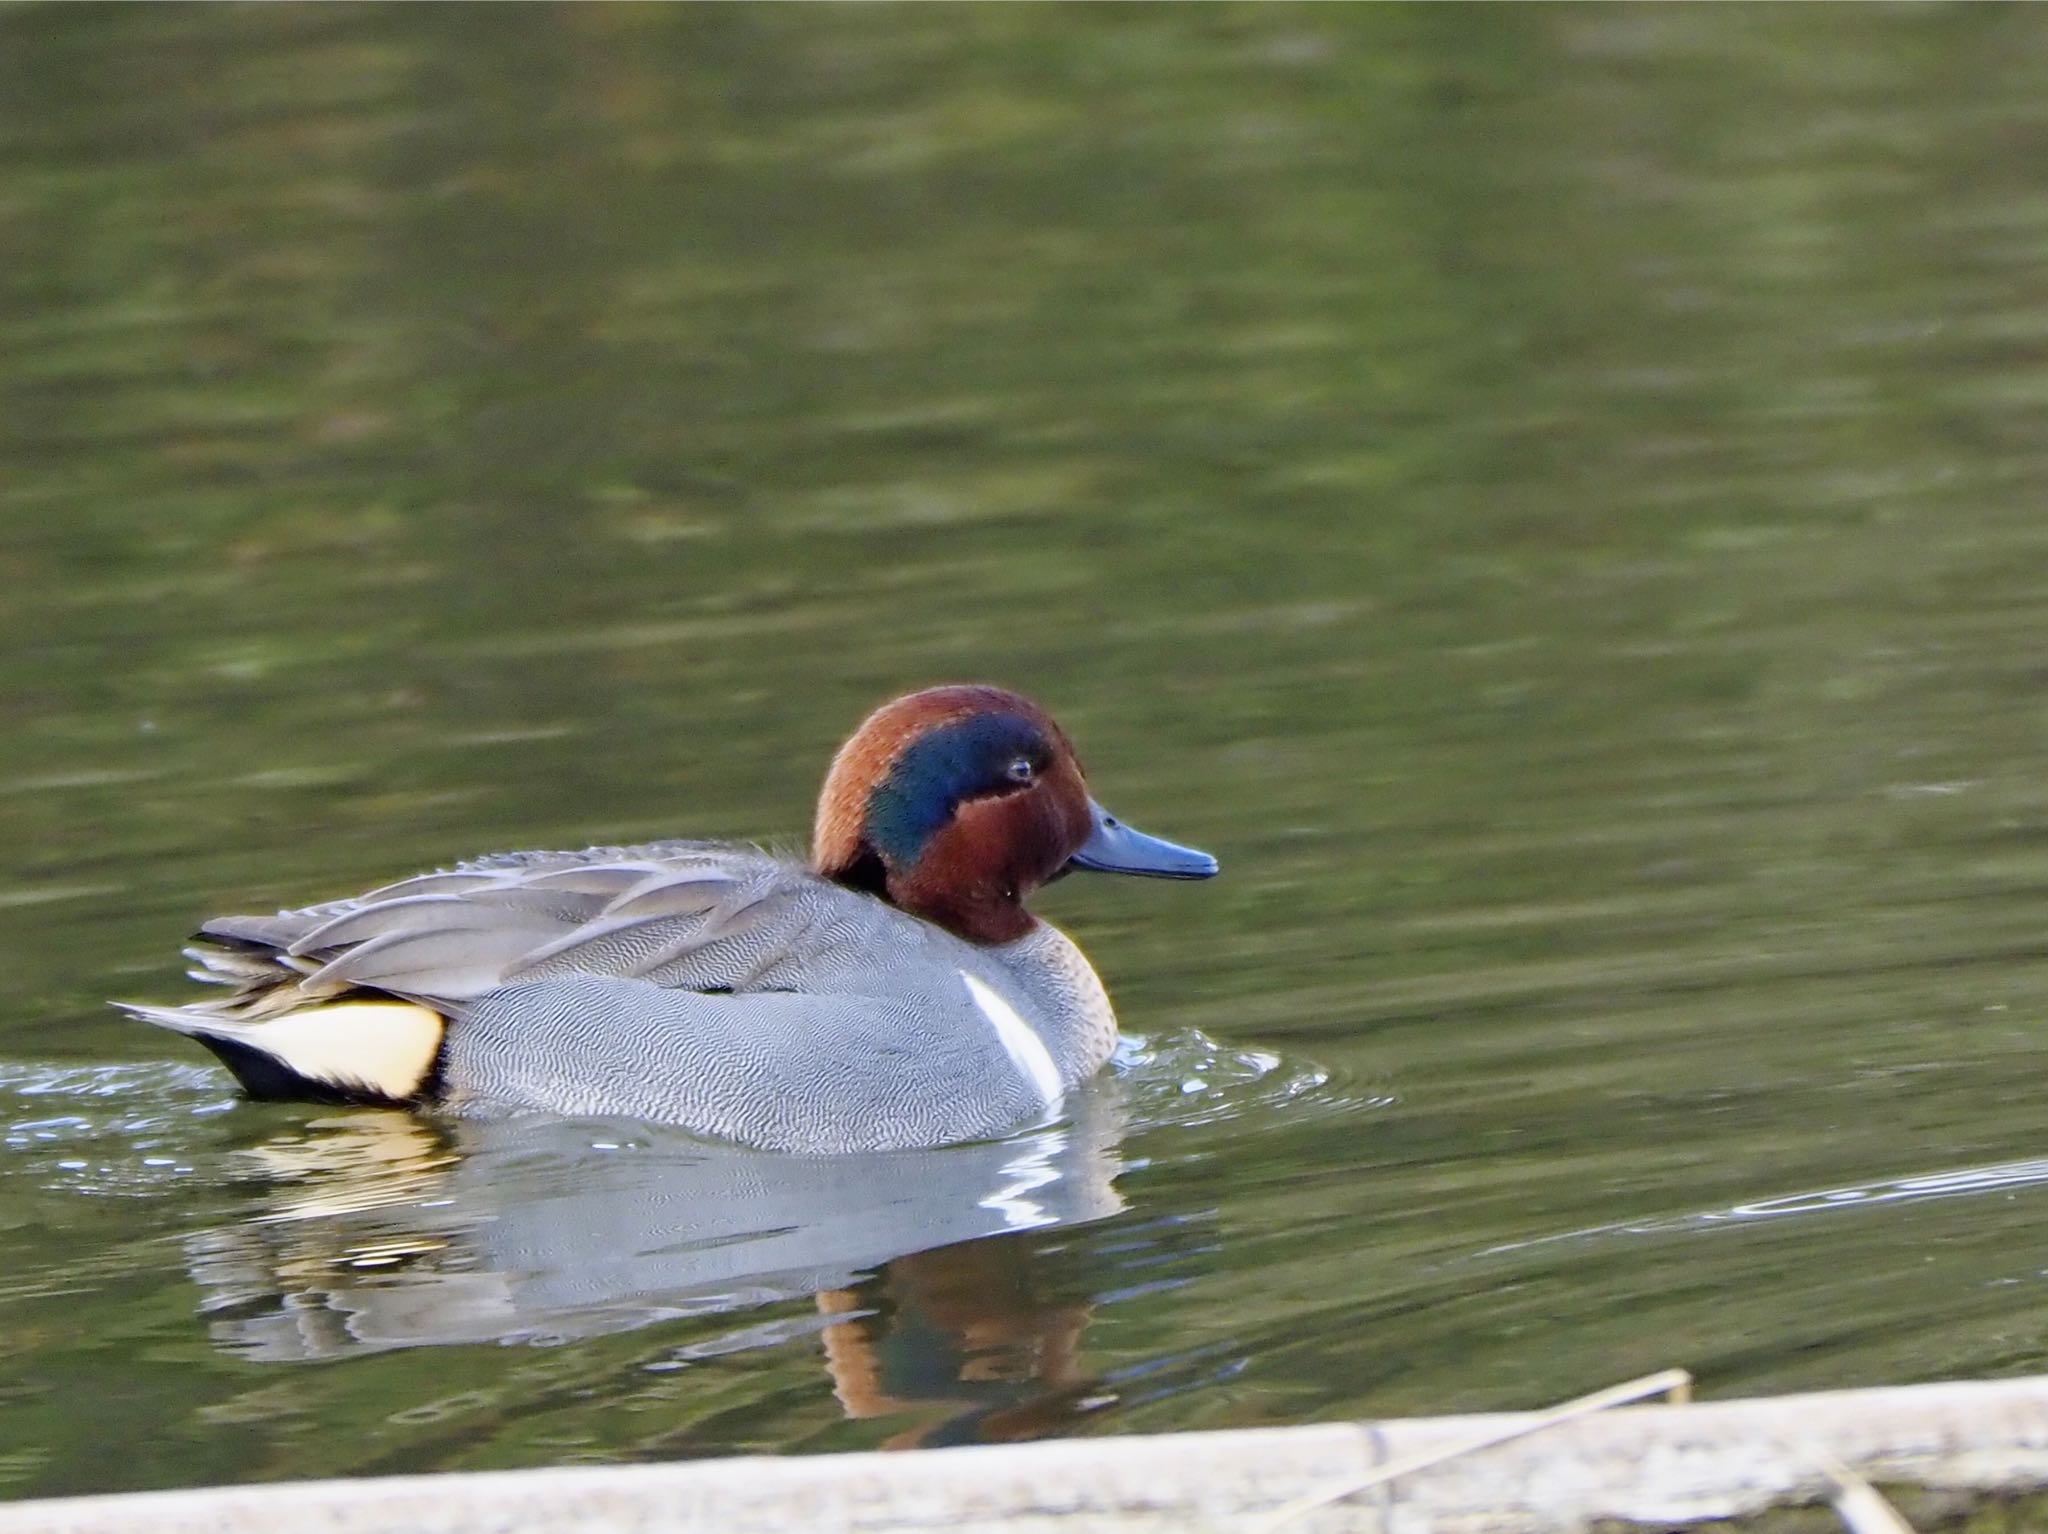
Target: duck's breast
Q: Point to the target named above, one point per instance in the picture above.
(1058, 991)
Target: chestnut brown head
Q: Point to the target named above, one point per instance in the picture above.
(956, 802)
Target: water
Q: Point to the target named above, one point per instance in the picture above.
(1550, 497)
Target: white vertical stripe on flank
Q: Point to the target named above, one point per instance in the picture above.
(1024, 1046)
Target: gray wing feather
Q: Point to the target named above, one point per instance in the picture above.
(446, 882)
(675, 892)
(411, 913)
(452, 963)
(622, 945)
(607, 881)
(229, 966)
(277, 932)
(740, 946)
(695, 918)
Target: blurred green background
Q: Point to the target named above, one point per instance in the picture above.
(1551, 496)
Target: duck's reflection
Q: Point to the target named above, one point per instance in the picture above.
(379, 1231)
(962, 1342)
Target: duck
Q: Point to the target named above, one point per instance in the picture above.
(891, 992)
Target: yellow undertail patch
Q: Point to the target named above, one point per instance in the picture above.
(382, 1047)
(387, 1047)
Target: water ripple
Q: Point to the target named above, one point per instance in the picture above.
(1961, 1182)
(1186, 1079)
(106, 1129)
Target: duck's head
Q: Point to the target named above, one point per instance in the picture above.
(955, 803)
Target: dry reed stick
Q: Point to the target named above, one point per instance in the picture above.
(1860, 1505)
(1673, 1384)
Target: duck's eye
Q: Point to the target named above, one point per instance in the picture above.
(1020, 771)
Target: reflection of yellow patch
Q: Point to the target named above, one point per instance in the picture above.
(368, 1160)
(309, 1261)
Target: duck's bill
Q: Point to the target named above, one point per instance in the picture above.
(1115, 848)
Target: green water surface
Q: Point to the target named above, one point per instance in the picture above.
(1552, 497)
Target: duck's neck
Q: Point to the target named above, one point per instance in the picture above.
(982, 908)
(986, 914)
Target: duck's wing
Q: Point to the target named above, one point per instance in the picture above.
(688, 916)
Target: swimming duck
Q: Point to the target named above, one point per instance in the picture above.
(892, 993)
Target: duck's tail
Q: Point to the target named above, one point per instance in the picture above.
(354, 1049)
